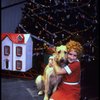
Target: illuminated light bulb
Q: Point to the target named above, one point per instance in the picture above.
(62, 35)
(68, 16)
(88, 5)
(36, 26)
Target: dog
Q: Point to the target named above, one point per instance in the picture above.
(49, 81)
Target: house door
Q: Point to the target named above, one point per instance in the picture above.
(7, 63)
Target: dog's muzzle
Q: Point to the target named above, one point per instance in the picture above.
(62, 60)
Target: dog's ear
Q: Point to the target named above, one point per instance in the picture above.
(56, 48)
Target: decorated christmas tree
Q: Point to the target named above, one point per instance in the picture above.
(54, 22)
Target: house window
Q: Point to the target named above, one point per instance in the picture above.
(20, 38)
(19, 51)
(6, 50)
(18, 64)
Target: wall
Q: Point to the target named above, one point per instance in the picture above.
(11, 14)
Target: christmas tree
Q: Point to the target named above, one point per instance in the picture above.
(54, 22)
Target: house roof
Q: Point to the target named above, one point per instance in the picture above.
(15, 38)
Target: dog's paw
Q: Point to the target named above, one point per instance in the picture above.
(40, 92)
(46, 98)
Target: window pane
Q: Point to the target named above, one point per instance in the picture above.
(18, 51)
(19, 38)
(18, 65)
(6, 50)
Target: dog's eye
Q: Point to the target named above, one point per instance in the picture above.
(65, 52)
(59, 52)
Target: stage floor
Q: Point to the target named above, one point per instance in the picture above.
(24, 89)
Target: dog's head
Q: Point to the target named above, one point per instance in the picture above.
(61, 55)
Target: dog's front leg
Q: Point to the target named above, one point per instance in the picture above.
(46, 91)
(46, 82)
